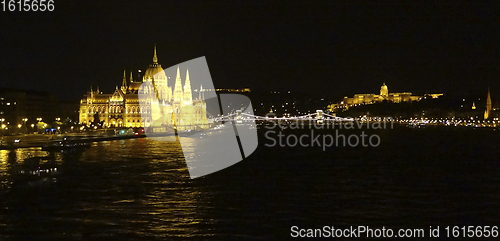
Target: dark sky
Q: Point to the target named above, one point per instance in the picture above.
(331, 49)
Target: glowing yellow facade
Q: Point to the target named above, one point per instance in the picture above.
(385, 95)
(487, 112)
(122, 108)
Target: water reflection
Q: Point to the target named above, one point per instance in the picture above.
(132, 189)
(140, 190)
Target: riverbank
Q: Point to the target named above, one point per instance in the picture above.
(41, 140)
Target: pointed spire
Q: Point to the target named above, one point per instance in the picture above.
(488, 106)
(98, 89)
(155, 58)
(124, 82)
(178, 93)
(488, 101)
(202, 93)
(488, 98)
(131, 77)
(187, 77)
(188, 98)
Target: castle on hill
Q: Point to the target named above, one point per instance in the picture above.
(385, 95)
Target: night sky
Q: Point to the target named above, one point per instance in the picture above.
(330, 49)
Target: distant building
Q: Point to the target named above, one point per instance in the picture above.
(487, 112)
(385, 95)
(21, 108)
(482, 108)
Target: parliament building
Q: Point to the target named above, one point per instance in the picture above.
(156, 104)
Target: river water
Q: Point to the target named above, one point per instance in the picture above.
(139, 189)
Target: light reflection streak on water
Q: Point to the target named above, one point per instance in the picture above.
(115, 188)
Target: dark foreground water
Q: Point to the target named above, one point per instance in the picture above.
(140, 189)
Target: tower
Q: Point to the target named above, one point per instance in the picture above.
(187, 108)
(384, 91)
(488, 106)
(155, 58)
(178, 87)
(124, 82)
(201, 94)
(188, 98)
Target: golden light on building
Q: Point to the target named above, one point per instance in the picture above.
(124, 108)
(385, 95)
(488, 106)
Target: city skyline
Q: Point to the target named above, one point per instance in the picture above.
(253, 120)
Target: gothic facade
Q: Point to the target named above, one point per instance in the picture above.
(150, 102)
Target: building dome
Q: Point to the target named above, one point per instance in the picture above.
(384, 91)
(155, 69)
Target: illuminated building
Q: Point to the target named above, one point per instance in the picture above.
(24, 107)
(385, 95)
(124, 108)
(487, 112)
(384, 90)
